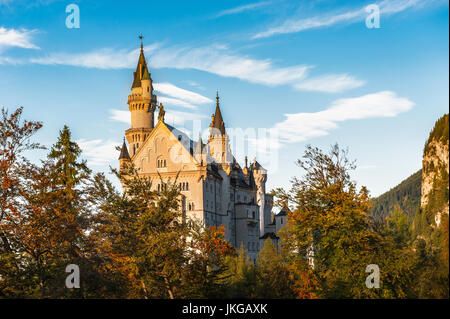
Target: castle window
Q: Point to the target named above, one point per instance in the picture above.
(187, 186)
(159, 187)
(165, 164)
(148, 89)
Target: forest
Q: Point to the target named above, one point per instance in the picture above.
(136, 243)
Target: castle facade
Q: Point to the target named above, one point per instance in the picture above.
(214, 188)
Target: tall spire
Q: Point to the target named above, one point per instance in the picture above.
(124, 151)
(142, 44)
(141, 69)
(217, 120)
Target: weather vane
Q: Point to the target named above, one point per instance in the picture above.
(141, 37)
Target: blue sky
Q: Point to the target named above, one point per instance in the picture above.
(311, 71)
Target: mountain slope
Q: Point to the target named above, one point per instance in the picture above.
(406, 195)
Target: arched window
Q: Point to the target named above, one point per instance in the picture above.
(187, 186)
(192, 206)
(165, 164)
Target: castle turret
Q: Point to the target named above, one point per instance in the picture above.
(124, 158)
(219, 148)
(142, 104)
(260, 178)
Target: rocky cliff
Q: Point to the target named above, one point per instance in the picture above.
(434, 199)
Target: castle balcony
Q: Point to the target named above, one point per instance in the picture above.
(138, 98)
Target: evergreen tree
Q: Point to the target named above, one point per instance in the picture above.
(273, 280)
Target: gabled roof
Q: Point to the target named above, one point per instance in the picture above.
(269, 235)
(182, 138)
(185, 141)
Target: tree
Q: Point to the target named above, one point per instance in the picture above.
(207, 253)
(330, 218)
(272, 272)
(15, 139)
(240, 275)
(398, 227)
(48, 224)
(143, 235)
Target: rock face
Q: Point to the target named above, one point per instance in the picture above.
(435, 171)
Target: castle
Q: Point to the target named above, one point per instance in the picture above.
(214, 188)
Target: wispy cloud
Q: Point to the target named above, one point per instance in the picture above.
(99, 59)
(240, 9)
(21, 38)
(182, 94)
(11, 61)
(172, 117)
(99, 152)
(294, 25)
(299, 127)
(330, 83)
(215, 59)
(195, 84)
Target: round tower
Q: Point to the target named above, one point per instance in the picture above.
(260, 177)
(142, 104)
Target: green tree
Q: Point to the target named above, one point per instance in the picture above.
(273, 278)
(240, 275)
(330, 219)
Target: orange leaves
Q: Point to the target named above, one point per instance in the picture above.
(213, 241)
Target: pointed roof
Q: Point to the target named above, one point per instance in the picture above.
(256, 166)
(141, 69)
(199, 146)
(284, 210)
(217, 121)
(124, 151)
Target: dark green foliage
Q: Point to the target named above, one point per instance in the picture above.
(440, 132)
(406, 196)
